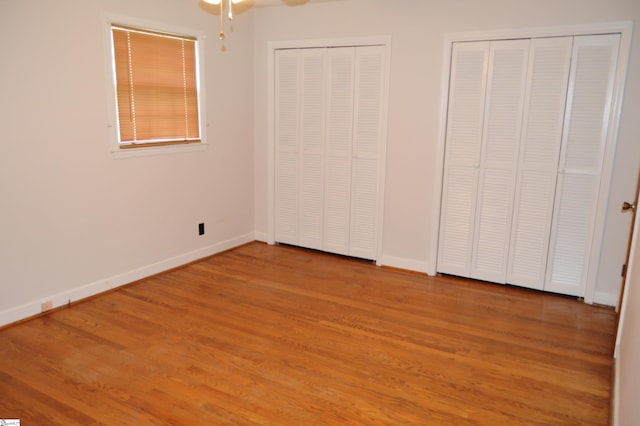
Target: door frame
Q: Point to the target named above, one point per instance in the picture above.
(624, 28)
(272, 47)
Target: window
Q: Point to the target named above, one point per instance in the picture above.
(155, 74)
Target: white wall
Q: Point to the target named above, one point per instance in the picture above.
(75, 221)
(417, 29)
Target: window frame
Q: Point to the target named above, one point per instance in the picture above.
(145, 149)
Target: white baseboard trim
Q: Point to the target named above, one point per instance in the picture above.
(607, 299)
(33, 308)
(261, 236)
(404, 263)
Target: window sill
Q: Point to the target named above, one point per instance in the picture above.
(157, 150)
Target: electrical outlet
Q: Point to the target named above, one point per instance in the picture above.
(201, 229)
(46, 306)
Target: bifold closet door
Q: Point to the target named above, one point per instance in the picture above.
(287, 149)
(519, 204)
(300, 108)
(467, 88)
(498, 161)
(483, 132)
(341, 80)
(586, 125)
(353, 149)
(367, 151)
(548, 76)
(328, 148)
(353, 142)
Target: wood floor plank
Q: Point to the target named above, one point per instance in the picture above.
(280, 335)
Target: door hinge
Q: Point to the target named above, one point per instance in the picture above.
(624, 270)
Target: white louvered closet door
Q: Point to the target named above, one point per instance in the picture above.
(500, 144)
(329, 147)
(312, 118)
(581, 157)
(530, 203)
(467, 87)
(369, 72)
(337, 187)
(544, 107)
(287, 161)
(300, 153)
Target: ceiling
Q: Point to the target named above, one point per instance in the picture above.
(245, 5)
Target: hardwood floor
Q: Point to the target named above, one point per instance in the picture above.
(280, 335)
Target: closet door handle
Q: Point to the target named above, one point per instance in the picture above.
(626, 206)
